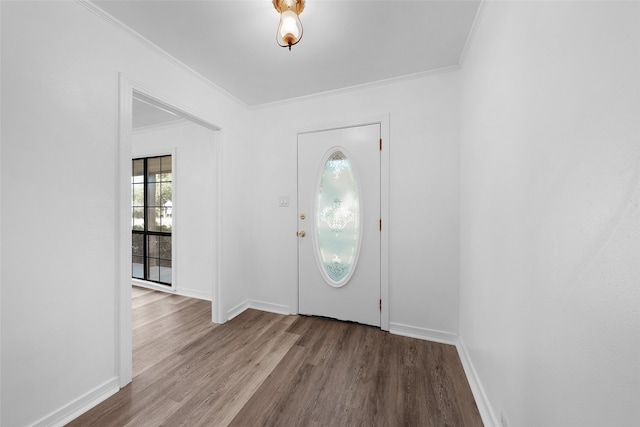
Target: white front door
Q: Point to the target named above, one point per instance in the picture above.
(339, 223)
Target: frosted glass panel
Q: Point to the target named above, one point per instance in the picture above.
(338, 221)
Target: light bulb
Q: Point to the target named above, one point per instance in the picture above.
(289, 26)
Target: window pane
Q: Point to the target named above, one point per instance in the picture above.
(137, 174)
(165, 271)
(159, 194)
(337, 226)
(166, 188)
(153, 246)
(153, 169)
(157, 220)
(159, 169)
(164, 250)
(137, 219)
(166, 168)
(137, 244)
(137, 194)
(137, 267)
(152, 191)
(153, 269)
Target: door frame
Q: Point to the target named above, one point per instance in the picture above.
(128, 88)
(383, 120)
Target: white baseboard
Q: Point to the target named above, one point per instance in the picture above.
(487, 414)
(258, 305)
(74, 409)
(185, 292)
(152, 285)
(270, 307)
(489, 418)
(423, 333)
(233, 312)
(194, 293)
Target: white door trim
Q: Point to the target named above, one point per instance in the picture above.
(127, 89)
(384, 121)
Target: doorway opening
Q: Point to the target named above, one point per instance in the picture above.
(151, 126)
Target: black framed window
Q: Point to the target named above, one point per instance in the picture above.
(151, 219)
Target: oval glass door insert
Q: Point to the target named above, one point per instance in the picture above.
(338, 219)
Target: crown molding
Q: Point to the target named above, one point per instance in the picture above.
(155, 48)
(369, 85)
(472, 33)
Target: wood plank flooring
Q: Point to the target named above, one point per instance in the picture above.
(265, 369)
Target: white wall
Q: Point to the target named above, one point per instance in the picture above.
(550, 225)
(424, 182)
(60, 65)
(194, 176)
(546, 197)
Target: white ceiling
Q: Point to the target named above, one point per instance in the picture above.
(345, 43)
(146, 114)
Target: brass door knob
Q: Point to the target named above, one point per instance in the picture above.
(301, 234)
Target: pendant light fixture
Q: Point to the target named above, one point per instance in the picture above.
(290, 28)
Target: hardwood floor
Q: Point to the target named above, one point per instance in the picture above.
(265, 369)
